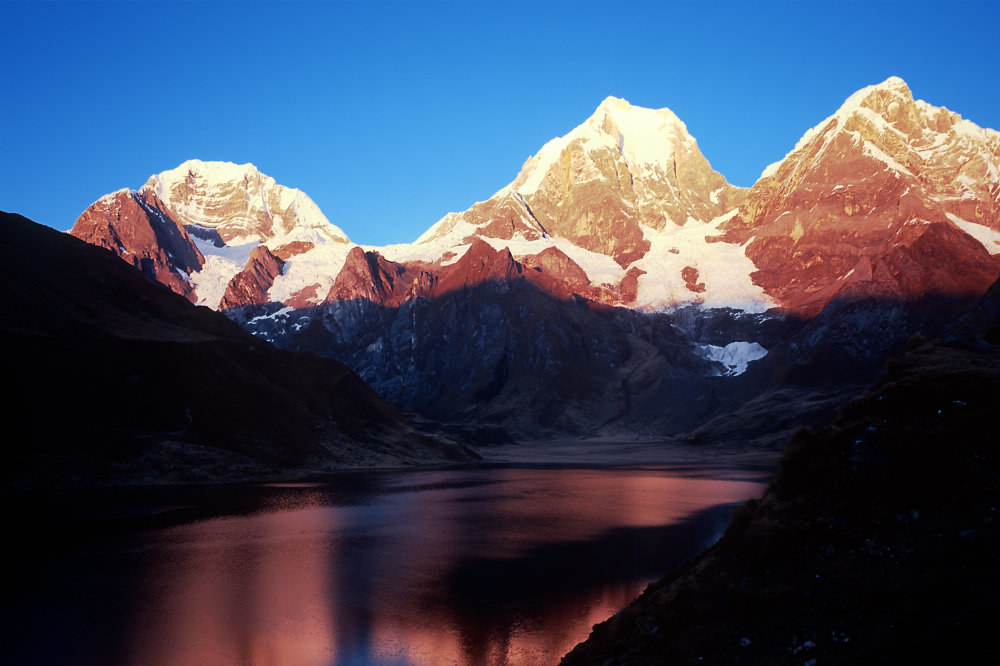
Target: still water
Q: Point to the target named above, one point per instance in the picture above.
(491, 565)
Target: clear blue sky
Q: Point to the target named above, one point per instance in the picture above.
(391, 114)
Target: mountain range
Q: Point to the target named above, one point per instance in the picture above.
(618, 285)
(214, 325)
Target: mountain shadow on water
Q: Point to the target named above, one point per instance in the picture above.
(116, 379)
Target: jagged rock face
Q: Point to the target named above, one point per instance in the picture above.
(137, 227)
(371, 277)
(555, 263)
(624, 167)
(481, 263)
(886, 198)
(250, 286)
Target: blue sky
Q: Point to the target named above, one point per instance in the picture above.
(391, 114)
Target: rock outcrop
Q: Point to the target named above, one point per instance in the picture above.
(138, 228)
(250, 286)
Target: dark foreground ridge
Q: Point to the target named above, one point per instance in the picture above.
(878, 543)
(116, 379)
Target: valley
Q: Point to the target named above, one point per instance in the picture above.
(616, 314)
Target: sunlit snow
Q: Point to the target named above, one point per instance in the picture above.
(646, 138)
(990, 238)
(723, 267)
(319, 265)
(211, 281)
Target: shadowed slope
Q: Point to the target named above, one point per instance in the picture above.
(118, 379)
(877, 544)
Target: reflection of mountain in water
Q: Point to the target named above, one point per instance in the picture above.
(486, 566)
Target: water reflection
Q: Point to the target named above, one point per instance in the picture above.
(249, 590)
(484, 566)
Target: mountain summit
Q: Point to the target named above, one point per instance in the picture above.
(239, 203)
(624, 168)
(628, 196)
(889, 197)
(195, 226)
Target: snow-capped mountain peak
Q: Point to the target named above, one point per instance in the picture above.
(647, 139)
(601, 194)
(859, 191)
(240, 203)
(195, 227)
(627, 208)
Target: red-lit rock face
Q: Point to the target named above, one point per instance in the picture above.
(873, 201)
(479, 264)
(250, 286)
(138, 228)
(556, 264)
(372, 277)
(292, 249)
(690, 276)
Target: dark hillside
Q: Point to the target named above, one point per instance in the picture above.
(116, 379)
(878, 543)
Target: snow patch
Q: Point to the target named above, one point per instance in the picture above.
(736, 356)
(320, 265)
(990, 238)
(211, 281)
(283, 312)
(724, 269)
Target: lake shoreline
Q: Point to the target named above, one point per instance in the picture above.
(597, 453)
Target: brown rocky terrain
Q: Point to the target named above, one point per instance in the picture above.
(120, 380)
